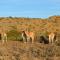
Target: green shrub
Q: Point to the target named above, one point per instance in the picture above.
(14, 35)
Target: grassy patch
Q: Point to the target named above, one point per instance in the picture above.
(14, 35)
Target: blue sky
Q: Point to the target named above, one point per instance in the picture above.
(29, 8)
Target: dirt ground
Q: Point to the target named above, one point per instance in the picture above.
(16, 50)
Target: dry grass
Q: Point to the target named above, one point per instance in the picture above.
(16, 50)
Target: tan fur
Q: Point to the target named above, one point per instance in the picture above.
(29, 35)
(4, 37)
(51, 37)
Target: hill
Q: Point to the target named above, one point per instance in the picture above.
(34, 24)
(17, 50)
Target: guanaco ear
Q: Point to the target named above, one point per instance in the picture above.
(23, 31)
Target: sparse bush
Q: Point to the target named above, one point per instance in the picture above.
(35, 52)
(58, 39)
(10, 17)
(14, 35)
(58, 43)
(50, 52)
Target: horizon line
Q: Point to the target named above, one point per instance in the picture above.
(26, 17)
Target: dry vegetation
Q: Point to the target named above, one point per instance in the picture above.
(17, 50)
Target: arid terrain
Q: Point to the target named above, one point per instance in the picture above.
(15, 49)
